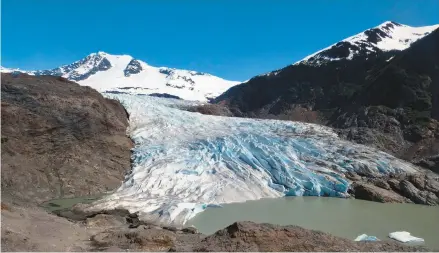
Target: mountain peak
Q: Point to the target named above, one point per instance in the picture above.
(388, 36)
(387, 23)
(99, 53)
(102, 54)
(125, 74)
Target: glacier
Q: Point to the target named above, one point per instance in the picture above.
(184, 162)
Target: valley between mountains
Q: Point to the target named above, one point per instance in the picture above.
(359, 119)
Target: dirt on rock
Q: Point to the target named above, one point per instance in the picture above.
(59, 139)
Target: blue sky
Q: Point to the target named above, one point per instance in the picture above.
(232, 39)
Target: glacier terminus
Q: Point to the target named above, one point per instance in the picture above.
(184, 162)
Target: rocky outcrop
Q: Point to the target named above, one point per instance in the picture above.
(238, 237)
(59, 139)
(249, 236)
(403, 188)
(375, 193)
(211, 109)
(401, 132)
(145, 238)
(431, 163)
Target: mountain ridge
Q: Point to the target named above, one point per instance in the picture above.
(387, 100)
(106, 72)
(367, 42)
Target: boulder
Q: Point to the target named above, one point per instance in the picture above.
(60, 139)
(370, 192)
(418, 196)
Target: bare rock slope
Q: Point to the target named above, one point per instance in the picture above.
(59, 139)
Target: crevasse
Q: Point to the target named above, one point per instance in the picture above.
(184, 162)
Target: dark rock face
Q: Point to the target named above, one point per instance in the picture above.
(196, 73)
(390, 104)
(163, 95)
(166, 71)
(375, 35)
(132, 68)
(115, 92)
(211, 109)
(432, 163)
(187, 79)
(102, 66)
(60, 139)
(99, 63)
(375, 193)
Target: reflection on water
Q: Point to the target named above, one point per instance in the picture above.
(342, 217)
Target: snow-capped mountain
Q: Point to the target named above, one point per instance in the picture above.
(386, 37)
(125, 74)
(329, 78)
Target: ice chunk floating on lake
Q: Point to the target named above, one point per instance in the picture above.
(184, 161)
(404, 236)
(364, 237)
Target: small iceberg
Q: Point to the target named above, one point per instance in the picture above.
(404, 236)
(365, 237)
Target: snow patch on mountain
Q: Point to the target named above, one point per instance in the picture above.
(386, 37)
(184, 162)
(9, 70)
(116, 73)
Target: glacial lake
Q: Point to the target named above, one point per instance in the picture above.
(346, 218)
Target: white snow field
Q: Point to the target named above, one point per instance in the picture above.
(184, 162)
(125, 74)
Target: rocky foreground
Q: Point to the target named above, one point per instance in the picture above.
(59, 139)
(33, 229)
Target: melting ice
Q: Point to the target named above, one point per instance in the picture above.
(185, 161)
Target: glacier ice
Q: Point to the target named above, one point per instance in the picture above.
(364, 237)
(404, 236)
(185, 161)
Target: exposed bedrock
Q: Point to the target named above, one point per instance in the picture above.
(60, 139)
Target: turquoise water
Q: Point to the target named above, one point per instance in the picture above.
(342, 217)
